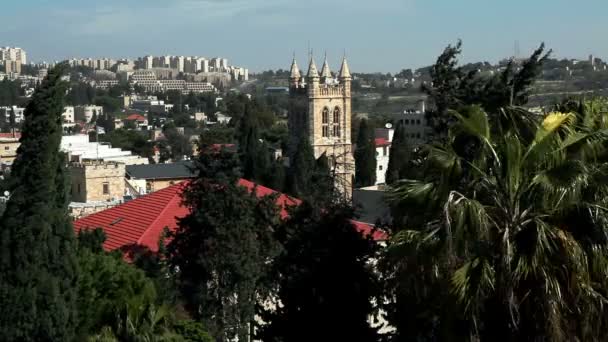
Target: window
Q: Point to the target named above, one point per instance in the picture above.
(418, 135)
(78, 187)
(407, 122)
(6, 148)
(336, 122)
(380, 167)
(418, 122)
(384, 151)
(106, 188)
(325, 122)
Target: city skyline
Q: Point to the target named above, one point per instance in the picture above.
(264, 34)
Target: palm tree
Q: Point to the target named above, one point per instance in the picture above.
(507, 231)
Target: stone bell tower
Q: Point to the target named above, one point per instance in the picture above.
(320, 108)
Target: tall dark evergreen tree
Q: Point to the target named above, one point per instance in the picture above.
(301, 170)
(38, 268)
(365, 156)
(223, 247)
(12, 120)
(325, 285)
(254, 154)
(399, 156)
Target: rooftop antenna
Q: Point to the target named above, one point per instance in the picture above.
(517, 52)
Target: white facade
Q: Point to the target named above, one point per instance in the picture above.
(79, 148)
(383, 141)
(13, 54)
(86, 113)
(68, 114)
(19, 113)
(415, 124)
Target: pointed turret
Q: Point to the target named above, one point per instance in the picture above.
(344, 71)
(325, 72)
(312, 69)
(295, 71)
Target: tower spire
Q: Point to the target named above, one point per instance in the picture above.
(325, 72)
(344, 70)
(312, 68)
(295, 71)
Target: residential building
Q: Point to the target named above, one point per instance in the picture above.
(138, 120)
(42, 73)
(12, 67)
(13, 54)
(383, 141)
(200, 117)
(154, 177)
(320, 111)
(5, 112)
(80, 149)
(9, 143)
(86, 113)
(68, 115)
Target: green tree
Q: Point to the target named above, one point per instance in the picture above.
(223, 248)
(12, 120)
(399, 156)
(453, 86)
(301, 170)
(516, 249)
(365, 156)
(38, 267)
(323, 278)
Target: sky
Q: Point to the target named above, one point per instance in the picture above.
(376, 35)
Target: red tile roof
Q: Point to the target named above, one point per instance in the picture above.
(17, 135)
(380, 142)
(136, 117)
(140, 222)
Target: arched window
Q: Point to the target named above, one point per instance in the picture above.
(325, 122)
(336, 123)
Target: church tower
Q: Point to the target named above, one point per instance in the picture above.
(320, 108)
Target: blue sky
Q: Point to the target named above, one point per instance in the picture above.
(377, 35)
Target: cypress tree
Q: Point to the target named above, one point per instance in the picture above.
(399, 156)
(254, 155)
(365, 156)
(38, 268)
(12, 120)
(301, 170)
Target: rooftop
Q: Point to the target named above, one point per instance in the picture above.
(178, 170)
(140, 222)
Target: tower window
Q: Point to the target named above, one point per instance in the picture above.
(336, 123)
(325, 122)
(106, 188)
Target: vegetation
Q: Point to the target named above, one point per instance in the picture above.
(365, 156)
(38, 266)
(507, 242)
(221, 281)
(323, 278)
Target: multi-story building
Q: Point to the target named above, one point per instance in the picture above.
(12, 67)
(383, 141)
(9, 143)
(320, 111)
(6, 112)
(13, 54)
(86, 113)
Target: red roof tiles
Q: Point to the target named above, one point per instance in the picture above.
(140, 222)
(136, 117)
(17, 135)
(380, 142)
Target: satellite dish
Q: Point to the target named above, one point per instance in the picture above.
(388, 125)
(6, 193)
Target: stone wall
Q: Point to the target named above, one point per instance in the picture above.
(88, 181)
